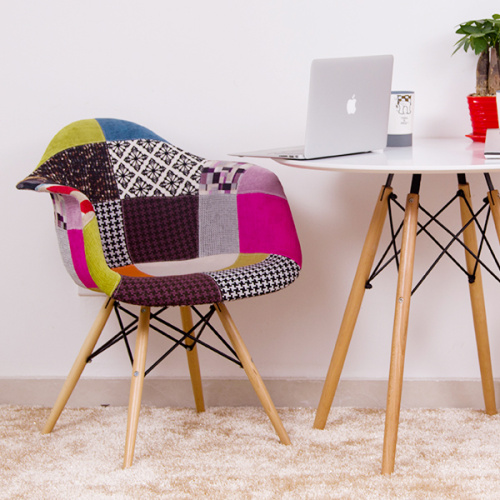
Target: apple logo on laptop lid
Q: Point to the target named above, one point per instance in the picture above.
(351, 105)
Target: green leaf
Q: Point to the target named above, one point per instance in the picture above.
(479, 45)
(479, 34)
(468, 30)
(461, 43)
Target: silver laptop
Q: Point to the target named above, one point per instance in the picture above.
(348, 109)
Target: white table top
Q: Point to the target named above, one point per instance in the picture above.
(446, 155)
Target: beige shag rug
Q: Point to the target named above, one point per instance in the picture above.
(233, 453)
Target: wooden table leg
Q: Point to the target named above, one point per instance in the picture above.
(353, 306)
(402, 310)
(477, 299)
(494, 200)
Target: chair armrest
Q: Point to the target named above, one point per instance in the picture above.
(32, 182)
(78, 235)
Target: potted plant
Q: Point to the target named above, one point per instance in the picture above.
(483, 37)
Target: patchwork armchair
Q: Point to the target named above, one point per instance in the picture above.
(153, 226)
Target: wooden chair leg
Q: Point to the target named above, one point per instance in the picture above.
(352, 308)
(79, 364)
(403, 297)
(251, 371)
(477, 303)
(193, 362)
(136, 386)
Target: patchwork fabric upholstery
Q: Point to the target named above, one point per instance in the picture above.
(123, 196)
(153, 168)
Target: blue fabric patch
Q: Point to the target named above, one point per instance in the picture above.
(122, 130)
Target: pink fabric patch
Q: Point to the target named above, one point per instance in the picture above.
(266, 226)
(70, 209)
(76, 245)
(258, 179)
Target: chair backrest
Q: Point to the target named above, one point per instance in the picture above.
(124, 196)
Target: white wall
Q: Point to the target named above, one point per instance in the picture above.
(215, 77)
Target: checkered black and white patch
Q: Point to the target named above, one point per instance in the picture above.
(221, 177)
(110, 220)
(58, 204)
(145, 167)
(272, 274)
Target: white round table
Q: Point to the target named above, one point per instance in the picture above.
(426, 156)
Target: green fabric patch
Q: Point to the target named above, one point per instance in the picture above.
(76, 134)
(106, 279)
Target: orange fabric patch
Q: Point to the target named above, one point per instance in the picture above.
(131, 271)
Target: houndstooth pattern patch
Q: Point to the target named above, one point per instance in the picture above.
(268, 276)
(110, 220)
(161, 228)
(187, 289)
(146, 167)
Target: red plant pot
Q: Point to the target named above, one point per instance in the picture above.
(483, 115)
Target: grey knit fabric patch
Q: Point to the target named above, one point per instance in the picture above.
(218, 224)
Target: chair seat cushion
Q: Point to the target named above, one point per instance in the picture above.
(185, 289)
(265, 275)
